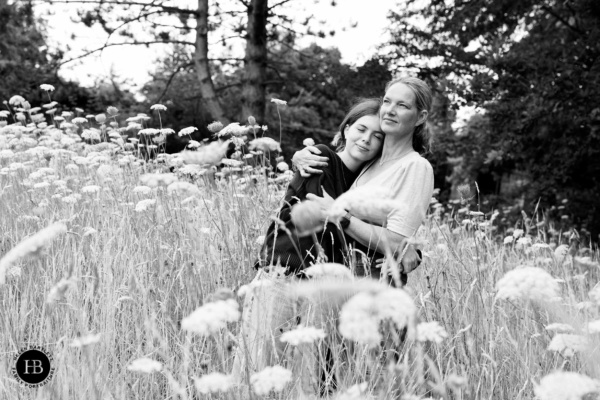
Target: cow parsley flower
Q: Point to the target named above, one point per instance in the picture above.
(187, 131)
(361, 316)
(46, 87)
(211, 154)
(561, 251)
(158, 107)
(282, 166)
(308, 142)
(560, 328)
(265, 144)
(213, 383)
(86, 340)
(270, 379)
(143, 205)
(90, 189)
(211, 317)
(568, 344)
(531, 283)
(431, 332)
(328, 270)
(279, 102)
(145, 365)
(306, 334)
(31, 246)
(562, 385)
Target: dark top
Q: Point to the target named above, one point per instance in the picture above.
(279, 246)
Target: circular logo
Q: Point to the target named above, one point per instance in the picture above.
(33, 366)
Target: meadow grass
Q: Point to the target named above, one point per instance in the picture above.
(132, 276)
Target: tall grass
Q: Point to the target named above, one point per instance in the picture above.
(136, 275)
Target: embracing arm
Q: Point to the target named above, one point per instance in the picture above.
(308, 159)
(382, 239)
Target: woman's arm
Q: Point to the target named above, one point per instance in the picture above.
(308, 159)
(384, 241)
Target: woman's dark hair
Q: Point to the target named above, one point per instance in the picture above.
(422, 139)
(360, 108)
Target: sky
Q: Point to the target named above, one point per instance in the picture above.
(132, 63)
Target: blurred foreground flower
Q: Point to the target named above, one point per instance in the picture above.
(528, 283)
(86, 340)
(213, 383)
(305, 334)
(145, 365)
(568, 344)
(30, 246)
(328, 270)
(308, 142)
(374, 204)
(211, 154)
(566, 386)
(431, 332)
(270, 379)
(361, 316)
(211, 317)
(306, 217)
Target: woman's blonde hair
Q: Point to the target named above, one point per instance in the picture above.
(360, 108)
(422, 138)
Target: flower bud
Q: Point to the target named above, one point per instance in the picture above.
(100, 118)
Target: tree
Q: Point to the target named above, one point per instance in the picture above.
(165, 23)
(533, 66)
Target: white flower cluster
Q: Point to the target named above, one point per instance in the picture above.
(211, 154)
(431, 332)
(270, 379)
(211, 317)
(568, 344)
(531, 283)
(183, 188)
(361, 316)
(143, 205)
(86, 340)
(595, 294)
(213, 383)
(31, 245)
(264, 144)
(364, 202)
(154, 180)
(145, 365)
(560, 328)
(328, 270)
(305, 334)
(565, 386)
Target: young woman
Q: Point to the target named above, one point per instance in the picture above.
(268, 310)
(400, 168)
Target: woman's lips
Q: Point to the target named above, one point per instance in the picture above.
(362, 148)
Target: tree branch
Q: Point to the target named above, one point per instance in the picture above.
(182, 66)
(550, 11)
(125, 44)
(170, 9)
(282, 2)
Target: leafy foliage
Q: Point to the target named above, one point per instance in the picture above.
(533, 66)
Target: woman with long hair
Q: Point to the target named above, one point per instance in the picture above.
(269, 311)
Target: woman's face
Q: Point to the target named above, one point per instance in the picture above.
(398, 113)
(364, 138)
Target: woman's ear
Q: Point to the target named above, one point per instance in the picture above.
(344, 131)
(422, 117)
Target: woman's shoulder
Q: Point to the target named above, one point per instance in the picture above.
(326, 151)
(417, 160)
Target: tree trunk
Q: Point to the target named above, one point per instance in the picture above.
(207, 89)
(255, 67)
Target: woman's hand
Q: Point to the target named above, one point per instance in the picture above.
(308, 159)
(411, 260)
(324, 203)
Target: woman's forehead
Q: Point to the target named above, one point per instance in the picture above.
(400, 91)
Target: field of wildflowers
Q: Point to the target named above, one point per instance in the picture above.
(129, 265)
